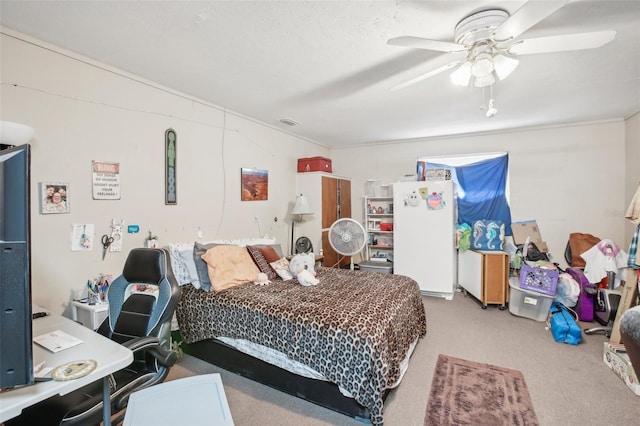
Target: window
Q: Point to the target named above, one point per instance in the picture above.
(481, 184)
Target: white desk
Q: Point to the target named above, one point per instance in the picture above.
(110, 356)
(180, 402)
(89, 315)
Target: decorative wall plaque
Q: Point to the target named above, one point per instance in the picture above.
(170, 139)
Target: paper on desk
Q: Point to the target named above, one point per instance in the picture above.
(57, 341)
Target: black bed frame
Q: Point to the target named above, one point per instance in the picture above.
(320, 392)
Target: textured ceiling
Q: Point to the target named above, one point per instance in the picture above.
(327, 65)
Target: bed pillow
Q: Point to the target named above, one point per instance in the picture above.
(270, 253)
(186, 254)
(261, 262)
(229, 266)
(487, 235)
(281, 266)
(201, 266)
(177, 264)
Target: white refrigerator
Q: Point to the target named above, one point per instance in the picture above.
(424, 247)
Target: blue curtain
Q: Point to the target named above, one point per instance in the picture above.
(481, 190)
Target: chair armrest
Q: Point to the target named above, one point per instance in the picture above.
(138, 343)
(152, 346)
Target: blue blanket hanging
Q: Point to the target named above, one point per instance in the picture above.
(481, 190)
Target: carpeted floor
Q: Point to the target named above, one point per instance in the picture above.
(569, 385)
(472, 393)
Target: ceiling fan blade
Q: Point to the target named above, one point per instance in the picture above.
(562, 43)
(427, 75)
(526, 17)
(424, 43)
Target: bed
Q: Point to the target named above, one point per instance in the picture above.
(343, 344)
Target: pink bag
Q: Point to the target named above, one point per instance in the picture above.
(584, 308)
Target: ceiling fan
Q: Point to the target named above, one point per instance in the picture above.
(486, 43)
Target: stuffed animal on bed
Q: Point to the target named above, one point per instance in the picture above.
(262, 279)
(302, 261)
(307, 278)
(302, 266)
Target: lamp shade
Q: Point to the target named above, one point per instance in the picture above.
(462, 75)
(482, 65)
(504, 66)
(14, 133)
(301, 206)
(485, 80)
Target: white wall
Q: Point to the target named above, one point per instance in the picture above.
(569, 179)
(83, 111)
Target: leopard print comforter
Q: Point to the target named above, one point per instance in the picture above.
(354, 327)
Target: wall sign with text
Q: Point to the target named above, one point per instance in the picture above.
(105, 180)
(170, 142)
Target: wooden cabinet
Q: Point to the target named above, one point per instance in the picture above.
(485, 275)
(330, 199)
(378, 222)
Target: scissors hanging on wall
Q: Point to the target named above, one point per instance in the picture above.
(106, 242)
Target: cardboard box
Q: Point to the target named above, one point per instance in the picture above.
(629, 295)
(620, 363)
(528, 228)
(437, 174)
(314, 164)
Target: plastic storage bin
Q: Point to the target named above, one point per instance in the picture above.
(385, 241)
(386, 226)
(527, 303)
(375, 266)
(541, 280)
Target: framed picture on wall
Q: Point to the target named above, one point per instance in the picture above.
(54, 197)
(255, 184)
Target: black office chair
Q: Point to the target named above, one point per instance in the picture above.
(139, 320)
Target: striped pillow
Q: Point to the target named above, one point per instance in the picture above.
(261, 262)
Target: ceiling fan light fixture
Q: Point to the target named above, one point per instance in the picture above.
(485, 80)
(482, 65)
(504, 66)
(462, 75)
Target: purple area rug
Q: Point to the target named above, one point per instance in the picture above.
(473, 393)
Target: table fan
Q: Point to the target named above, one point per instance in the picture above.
(347, 237)
(303, 245)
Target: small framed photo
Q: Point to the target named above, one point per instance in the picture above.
(255, 184)
(54, 197)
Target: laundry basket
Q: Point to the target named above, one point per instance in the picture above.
(539, 279)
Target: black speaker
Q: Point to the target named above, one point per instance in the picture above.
(16, 352)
